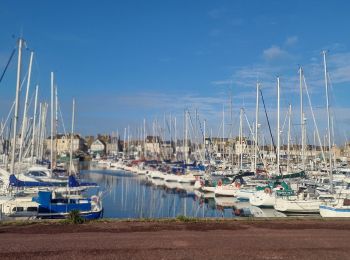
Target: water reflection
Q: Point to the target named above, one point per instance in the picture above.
(126, 195)
(130, 196)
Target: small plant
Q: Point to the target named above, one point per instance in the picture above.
(74, 217)
(186, 219)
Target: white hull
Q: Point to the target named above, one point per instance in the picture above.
(225, 201)
(244, 194)
(187, 178)
(171, 177)
(227, 191)
(263, 199)
(297, 205)
(172, 185)
(156, 175)
(208, 189)
(335, 212)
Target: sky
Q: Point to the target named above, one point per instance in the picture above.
(127, 60)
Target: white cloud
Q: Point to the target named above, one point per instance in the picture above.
(339, 67)
(274, 52)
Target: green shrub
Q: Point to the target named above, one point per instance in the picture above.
(74, 217)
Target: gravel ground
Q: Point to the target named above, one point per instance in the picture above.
(242, 239)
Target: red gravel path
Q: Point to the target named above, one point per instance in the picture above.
(268, 239)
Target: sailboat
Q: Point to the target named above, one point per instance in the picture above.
(47, 206)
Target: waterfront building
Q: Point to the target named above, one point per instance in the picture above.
(62, 143)
(98, 147)
(152, 145)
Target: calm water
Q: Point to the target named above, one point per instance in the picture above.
(126, 195)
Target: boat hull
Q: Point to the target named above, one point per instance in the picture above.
(263, 199)
(334, 212)
(84, 215)
(297, 206)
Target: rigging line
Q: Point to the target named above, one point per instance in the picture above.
(256, 141)
(64, 128)
(207, 154)
(191, 124)
(30, 102)
(195, 134)
(334, 99)
(313, 118)
(7, 64)
(285, 121)
(268, 123)
(13, 105)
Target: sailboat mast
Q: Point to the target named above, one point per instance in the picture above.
(34, 122)
(278, 125)
(26, 104)
(328, 122)
(128, 149)
(223, 131)
(39, 130)
(18, 82)
(333, 144)
(71, 140)
(52, 126)
(288, 147)
(256, 127)
(175, 136)
(241, 137)
(144, 137)
(56, 116)
(302, 125)
(124, 143)
(204, 135)
(186, 136)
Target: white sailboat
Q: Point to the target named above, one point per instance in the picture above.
(338, 209)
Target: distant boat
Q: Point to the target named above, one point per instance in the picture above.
(340, 209)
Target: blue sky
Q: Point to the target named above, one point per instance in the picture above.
(126, 60)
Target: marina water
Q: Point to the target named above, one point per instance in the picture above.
(126, 195)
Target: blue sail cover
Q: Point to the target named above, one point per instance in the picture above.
(72, 182)
(197, 168)
(18, 183)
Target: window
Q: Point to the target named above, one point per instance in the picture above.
(32, 209)
(17, 209)
(37, 173)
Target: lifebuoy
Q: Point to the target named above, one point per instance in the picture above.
(95, 198)
(219, 182)
(267, 190)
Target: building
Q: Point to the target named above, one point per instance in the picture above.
(167, 149)
(98, 147)
(89, 139)
(183, 151)
(62, 143)
(112, 148)
(152, 145)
